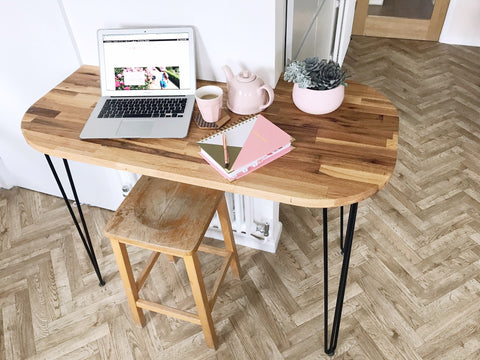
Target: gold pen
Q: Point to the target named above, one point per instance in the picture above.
(225, 150)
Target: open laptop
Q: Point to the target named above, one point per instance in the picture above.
(148, 83)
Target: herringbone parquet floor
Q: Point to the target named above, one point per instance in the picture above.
(414, 283)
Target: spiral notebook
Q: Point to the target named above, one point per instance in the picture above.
(251, 144)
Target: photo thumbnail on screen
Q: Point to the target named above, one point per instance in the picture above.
(147, 78)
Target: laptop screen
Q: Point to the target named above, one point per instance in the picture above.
(147, 62)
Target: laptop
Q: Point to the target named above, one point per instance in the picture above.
(148, 84)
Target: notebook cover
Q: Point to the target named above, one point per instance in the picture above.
(247, 169)
(248, 141)
(236, 136)
(263, 162)
(264, 137)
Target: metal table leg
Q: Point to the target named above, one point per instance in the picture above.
(346, 250)
(341, 229)
(84, 235)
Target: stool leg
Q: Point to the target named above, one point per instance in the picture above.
(126, 273)
(226, 225)
(171, 258)
(201, 300)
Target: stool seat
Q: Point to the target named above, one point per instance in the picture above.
(173, 217)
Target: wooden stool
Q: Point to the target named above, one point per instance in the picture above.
(171, 218)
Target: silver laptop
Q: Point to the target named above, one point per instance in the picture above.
(148, 83)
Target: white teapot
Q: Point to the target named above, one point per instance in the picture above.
(247, 93)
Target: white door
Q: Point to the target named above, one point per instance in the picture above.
(343, 30)
(318, 28)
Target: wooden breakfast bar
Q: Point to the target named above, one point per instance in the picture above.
(339, 159)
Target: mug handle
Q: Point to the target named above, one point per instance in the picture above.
(270, 94)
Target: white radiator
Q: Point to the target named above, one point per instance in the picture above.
(254, 221)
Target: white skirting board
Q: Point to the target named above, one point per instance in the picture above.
(254, 221)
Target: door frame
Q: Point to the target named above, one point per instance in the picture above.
(397, 27)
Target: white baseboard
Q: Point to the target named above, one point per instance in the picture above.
(4, 183)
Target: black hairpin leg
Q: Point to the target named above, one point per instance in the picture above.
(84, 235)
(332, 345)
(341, 230)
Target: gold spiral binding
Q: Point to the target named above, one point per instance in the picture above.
(228, 127)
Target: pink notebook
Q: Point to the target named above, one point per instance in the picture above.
(251, 144)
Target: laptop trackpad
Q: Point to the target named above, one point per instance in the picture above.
(135, 128)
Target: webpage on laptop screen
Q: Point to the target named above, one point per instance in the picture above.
(147, 62)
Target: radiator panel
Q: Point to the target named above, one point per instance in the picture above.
(254, 222)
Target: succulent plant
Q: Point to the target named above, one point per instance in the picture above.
(315, 74)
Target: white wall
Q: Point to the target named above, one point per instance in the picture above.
(462, 23)
(37, 53)
(241, 34)
(45, 41)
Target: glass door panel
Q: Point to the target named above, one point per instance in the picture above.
(405, 19)
(411, 9)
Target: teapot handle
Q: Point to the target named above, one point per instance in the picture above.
(270, 94)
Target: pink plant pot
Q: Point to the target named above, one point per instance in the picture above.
(318, 101)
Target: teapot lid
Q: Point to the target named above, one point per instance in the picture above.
(246, 76)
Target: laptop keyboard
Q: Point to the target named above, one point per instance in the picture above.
(143, 108)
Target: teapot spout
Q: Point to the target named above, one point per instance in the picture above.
(228, 73)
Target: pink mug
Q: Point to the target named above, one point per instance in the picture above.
(209, 100)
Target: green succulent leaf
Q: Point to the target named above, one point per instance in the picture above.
(315, 74)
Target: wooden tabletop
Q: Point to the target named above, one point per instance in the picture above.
(339, 158)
